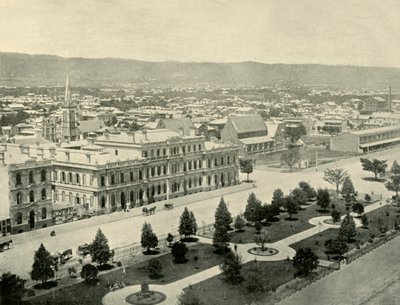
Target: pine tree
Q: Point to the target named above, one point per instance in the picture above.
(222, 215)
(99, 249)
(239, 223)
(231, 268)
(348, 187)
(185, 225)
(278, 199)
(323, 198)
(149, 238)
(194, 223)
(221, 238)
(253, 208)
(395, 170)
(348, 228)
(43, 265)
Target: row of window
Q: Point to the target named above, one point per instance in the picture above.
(18, 218)
(73, 178)
(31, 180)
(31, 196)
(173, 151)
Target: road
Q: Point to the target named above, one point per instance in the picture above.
(126, 231)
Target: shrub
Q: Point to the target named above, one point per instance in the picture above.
(89, 272)
(367, 197)
(154, 267)
(179, 251)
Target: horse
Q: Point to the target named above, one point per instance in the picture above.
(152, 210)
(169, 206)
(66, 255)
(5, 244)
(145, 211)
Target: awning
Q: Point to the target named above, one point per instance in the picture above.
(380, 142)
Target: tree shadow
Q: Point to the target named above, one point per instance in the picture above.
(104, 267)
(151, 252)
(322, 211)
(189, 239)
(291, 218)
(372, 179)
(156, 276)
(45, 285)
(180, 262)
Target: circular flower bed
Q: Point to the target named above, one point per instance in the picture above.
(260, 252)
(148, 298)
(330, 222)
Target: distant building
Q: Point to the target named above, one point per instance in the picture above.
(376, 103)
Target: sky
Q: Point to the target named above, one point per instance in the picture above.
(345, 32)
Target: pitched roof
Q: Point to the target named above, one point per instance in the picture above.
(90, 125)
(177, 124)
(248, 123)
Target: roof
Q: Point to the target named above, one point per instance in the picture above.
(256, 140)
(375, 130)
(157, 135)
(30, 140)
(380, 142)
(177, 124)
(219, 121)
(90, 125)
(248, 123)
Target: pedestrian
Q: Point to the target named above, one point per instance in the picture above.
(235, 247)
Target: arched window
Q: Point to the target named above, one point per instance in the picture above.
(70, 177)
(31, 177)
(62, 177)
(43, 175)
(165, 187)
(19, 218)
(44, 195)
(18, 179)
(31, 196)
(78, 180)
(159, 189)
(77, 199)
(103, 202)
(44, 213)
(19, 198)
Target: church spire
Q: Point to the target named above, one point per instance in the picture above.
(68, 95)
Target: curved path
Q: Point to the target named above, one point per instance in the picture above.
(173, 290)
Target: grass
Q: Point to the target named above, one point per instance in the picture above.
(218, 292)
(200, 257)
(387, 215)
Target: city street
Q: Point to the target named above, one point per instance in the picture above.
(127, 231)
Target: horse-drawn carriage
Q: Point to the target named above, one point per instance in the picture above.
(168, 206)
(83, 250)
(5, 244)
(148, 211)
(62, 257)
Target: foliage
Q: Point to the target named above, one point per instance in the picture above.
(188, 297)
(278, 199)
(43, 265)
(255, 282)
(364, 221)
(393, 184)
(231, 268)
(169, 239)
(290, 157)
(222, 215)
(268, 212)
(335, 177)
(246, 166)
(194, 223)
(187, 224)
(376, 166)
(348, 187)
(179, 251)
(335, 216)
(323, 198)
(239, 223)
(257, 226)
(12, 119)
(395, 169)
(358, 208)
(306, 187)
(290, 206)
(99, 249)
(89, 272)
(12, 288)
(294, 134)
(253, 208)
(221, 238)
(367, 197)
(149, 238)
(299, 196)
(347, 228)
(261, 240)
(154, 267)
(305, 261)
(337, 246)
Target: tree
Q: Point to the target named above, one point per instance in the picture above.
(323, 199)
(221, 238)
(246, 167)
(99, 249)
(179, 251)
(335, 177)
(169, 239)
(358, 208)
(290, 206)
(188, 297)
(268, 212)
(185, 224)
(376, 166)
(393, 184)
(347, 228)
(395, 169)
(337, 246)
(12, 289)
(154, 267)
(231, 268)
(222, 215)
(253, 208)
(310, 191)
(294, 134)
(290, 157)
(335, 216)
(194, 223)
(305, 261)
(239, 223)
(348, 187)
(149, 238)
(258, 227)
(261, 240)
(364, 221)
(299, 196)
(278, 199)
(43, 265)
(89, 273)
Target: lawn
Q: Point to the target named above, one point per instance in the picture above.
(283, 227)
(378, 219)
(216, 291)
(200, 257)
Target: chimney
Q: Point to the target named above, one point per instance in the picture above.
(144, 132)
(91, 138)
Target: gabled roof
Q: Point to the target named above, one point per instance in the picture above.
(90, 125)
(177, 124)
(248, 123)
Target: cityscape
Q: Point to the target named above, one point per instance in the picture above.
(139, 165)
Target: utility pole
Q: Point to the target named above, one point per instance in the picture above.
(316, 160)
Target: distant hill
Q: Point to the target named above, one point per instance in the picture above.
(41, 70)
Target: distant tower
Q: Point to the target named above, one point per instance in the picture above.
(69, 128)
